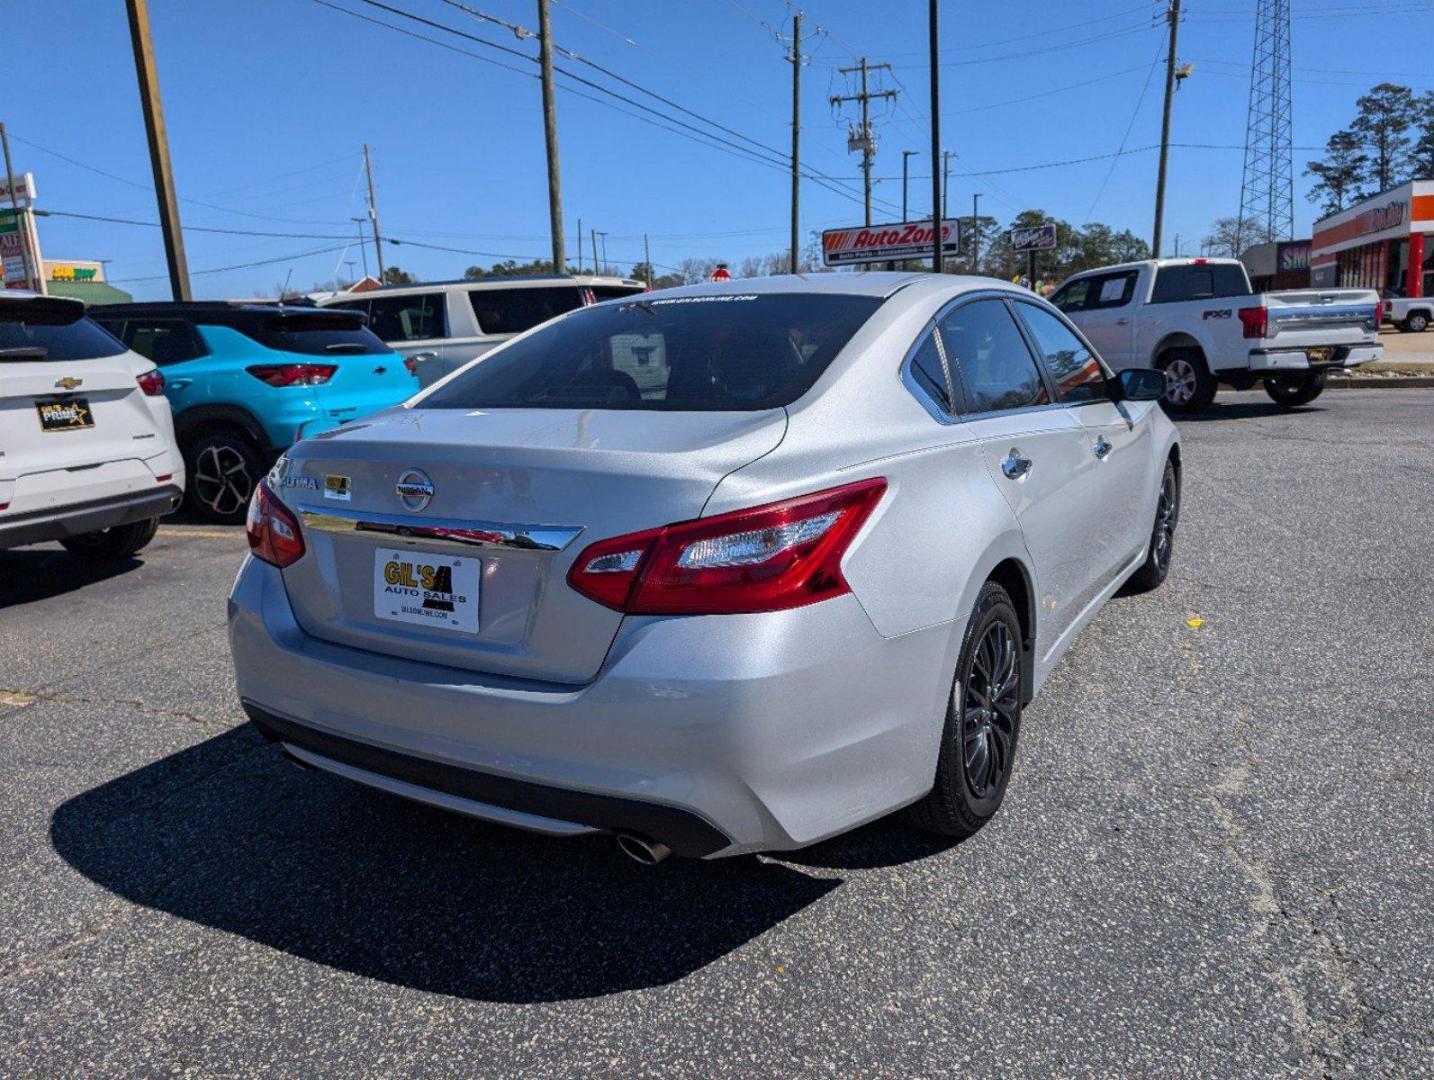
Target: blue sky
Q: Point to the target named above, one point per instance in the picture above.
(269, 101)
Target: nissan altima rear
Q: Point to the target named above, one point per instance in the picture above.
(682, 567)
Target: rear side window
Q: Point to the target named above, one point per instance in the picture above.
(613, 292)
(930, 373)
(1073, 367)
(46, 329)
(165, 341)
(511, 311)
(1198, 282)
(315, 334)
(983, 341)
(407, 318)
(700, 353)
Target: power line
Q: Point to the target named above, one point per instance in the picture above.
(239, 266)
(777, 161)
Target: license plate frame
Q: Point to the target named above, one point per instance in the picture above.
(429, 589)
(64, 414)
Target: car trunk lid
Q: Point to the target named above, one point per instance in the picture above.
(498, 504)
(1323, 316)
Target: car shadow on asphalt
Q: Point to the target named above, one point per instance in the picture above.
(229, 835)
(28, 575)
(1245, 410)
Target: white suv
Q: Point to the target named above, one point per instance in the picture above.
(441, 325)
(87, 450)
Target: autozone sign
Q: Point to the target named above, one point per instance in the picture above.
(888, 243)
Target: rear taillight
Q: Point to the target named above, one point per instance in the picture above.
(411, 364)
(151, 382)
(272, 530)
(1255, 320)
(1388, 309)
(293, 374)
(770, 558)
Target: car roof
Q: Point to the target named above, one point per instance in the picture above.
(879, 283)
(219, 313)
(495, 280)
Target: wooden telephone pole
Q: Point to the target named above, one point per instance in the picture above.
(158, 147)
(865, 142)
(550, 136)
(1173, 15)
(373, 213)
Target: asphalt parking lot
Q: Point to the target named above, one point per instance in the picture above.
(1216, 857)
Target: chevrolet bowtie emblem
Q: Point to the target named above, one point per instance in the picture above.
(69, 382)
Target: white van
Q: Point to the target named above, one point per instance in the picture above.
(440, 326)
(87, 450)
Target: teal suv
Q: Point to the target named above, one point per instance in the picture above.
(247, 381)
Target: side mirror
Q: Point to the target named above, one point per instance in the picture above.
(1139, 384)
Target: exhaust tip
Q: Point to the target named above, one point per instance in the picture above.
(640, 849)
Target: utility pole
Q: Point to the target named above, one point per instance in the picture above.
(158, 147)
(550, 134)
(363, 244)
(592, 232)
(35, 280)
(864, 142)
(603, 268)
(796, 132)
(647, 259)
(1173, 16)
(905, 155)
(935, 44)
(373, 213)
(580, 245)
(945, 181)
(976, 233)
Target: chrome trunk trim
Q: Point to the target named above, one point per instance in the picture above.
(429, 532)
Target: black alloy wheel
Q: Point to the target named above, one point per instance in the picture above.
(991, 712)
(983, 722)
(1153, 571)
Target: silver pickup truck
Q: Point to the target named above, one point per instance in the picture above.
(1199, 322)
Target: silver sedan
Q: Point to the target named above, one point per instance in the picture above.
(724, 568)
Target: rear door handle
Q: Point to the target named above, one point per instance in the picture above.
(1015, 466)
(1101, 448)
(1122, 322)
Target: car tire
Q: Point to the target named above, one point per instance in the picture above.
(1156, 568)
(1189, 386)
(222, 469)
(1417, 323)
(1296, 389)
(116, 542)
(978, 742)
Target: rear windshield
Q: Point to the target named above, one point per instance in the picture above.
(694, 353)
(41, 329)
(317, 335)
(1199, 282)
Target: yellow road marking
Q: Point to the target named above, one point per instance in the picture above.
(212, 534)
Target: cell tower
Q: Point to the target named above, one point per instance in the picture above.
(1267, 189)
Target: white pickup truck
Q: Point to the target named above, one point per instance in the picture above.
(1199, 322)
(1412, 314)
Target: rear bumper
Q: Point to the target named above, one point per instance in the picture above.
(714, 735)
(1274, 361)
(38, 526)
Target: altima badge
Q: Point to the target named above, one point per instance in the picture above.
(414, 489)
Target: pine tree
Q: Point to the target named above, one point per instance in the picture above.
(1382, 122)
(1338, 176)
